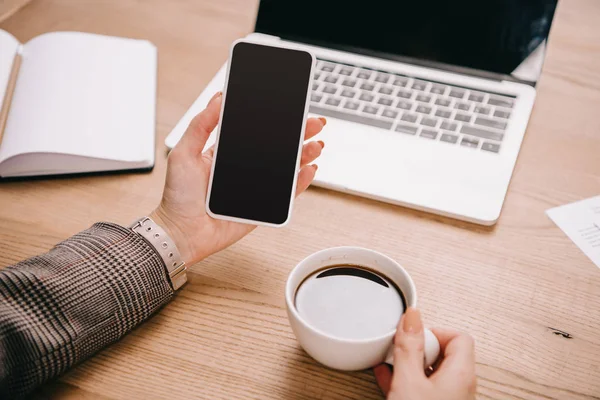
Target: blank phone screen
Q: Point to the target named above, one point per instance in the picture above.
(261, 129)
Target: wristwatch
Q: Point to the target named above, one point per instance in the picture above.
(165, 247)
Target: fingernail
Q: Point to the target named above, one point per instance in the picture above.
(316, 167)
(322, 143)
(215, 97)
(412, 321)
(323, 120)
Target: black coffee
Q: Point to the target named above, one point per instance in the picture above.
(350, 302)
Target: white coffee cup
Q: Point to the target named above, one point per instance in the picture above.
(351, 354)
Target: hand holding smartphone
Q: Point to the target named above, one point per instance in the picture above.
(260, 134)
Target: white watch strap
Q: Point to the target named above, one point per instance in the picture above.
(165, 247)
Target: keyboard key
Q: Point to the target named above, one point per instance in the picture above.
(443, 113)
(386, 101)
(348, 93)
(462, 117)
(501, 101)
(316, 97)
(424, 98)
(438, 89)
(349, 82)
(482, 110)
(332, 101)
(361, 119)
(449, 126)
(411, 130)
(382, 77)
(468, 142)
(462, 106)
(388, 112)
(429, 134)
(317, 75)
(478, 97)
(493, 147)
(482, 133)
(367, 86)
(490, 122)
(419, 85)
(400, 81)
(442, 102)
(327, 67)
(363, 74)
(423, 109)
(330, 89)
(366, 97)
(370, 109)
(331, 79)
(501, 114)
(315, 86)
(404, 94)
(346, 71)
(429, 121)
(446, 137)
(409, 118)
(405, 105)
(458, 93)
(386, 90)
(351, 105)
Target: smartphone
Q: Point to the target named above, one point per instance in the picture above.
(260, 134)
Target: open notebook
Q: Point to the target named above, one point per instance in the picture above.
(74, 102)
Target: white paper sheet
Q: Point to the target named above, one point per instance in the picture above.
(581, 223)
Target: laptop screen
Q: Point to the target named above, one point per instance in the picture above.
(501, 36)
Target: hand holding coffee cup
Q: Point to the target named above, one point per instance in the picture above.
(344, 304)
(454, 376)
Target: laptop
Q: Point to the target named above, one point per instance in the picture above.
(427, 101)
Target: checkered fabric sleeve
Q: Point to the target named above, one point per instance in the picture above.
(61, 307)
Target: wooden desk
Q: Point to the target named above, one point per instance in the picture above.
(226, 336)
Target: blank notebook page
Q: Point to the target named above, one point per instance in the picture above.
(84, 94)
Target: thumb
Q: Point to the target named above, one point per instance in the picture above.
(201, 126)
(409, 344)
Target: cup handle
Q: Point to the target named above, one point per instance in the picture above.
(432, 350)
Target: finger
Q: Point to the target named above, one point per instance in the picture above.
(383, 376)
(459, 356)
(210, 152)
(314, 126)
(310, 152)
(409, 345)
(305, 178)
(201, 126)
(444, 336)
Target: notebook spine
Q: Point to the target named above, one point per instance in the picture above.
(10, 88)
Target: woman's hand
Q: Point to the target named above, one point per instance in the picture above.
(453, 379)
(182, 209)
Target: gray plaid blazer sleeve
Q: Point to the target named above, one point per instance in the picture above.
(61, 307)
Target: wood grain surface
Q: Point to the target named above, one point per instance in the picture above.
(9, 7)
(226, 336)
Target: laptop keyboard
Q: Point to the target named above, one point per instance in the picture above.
(408, 105)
